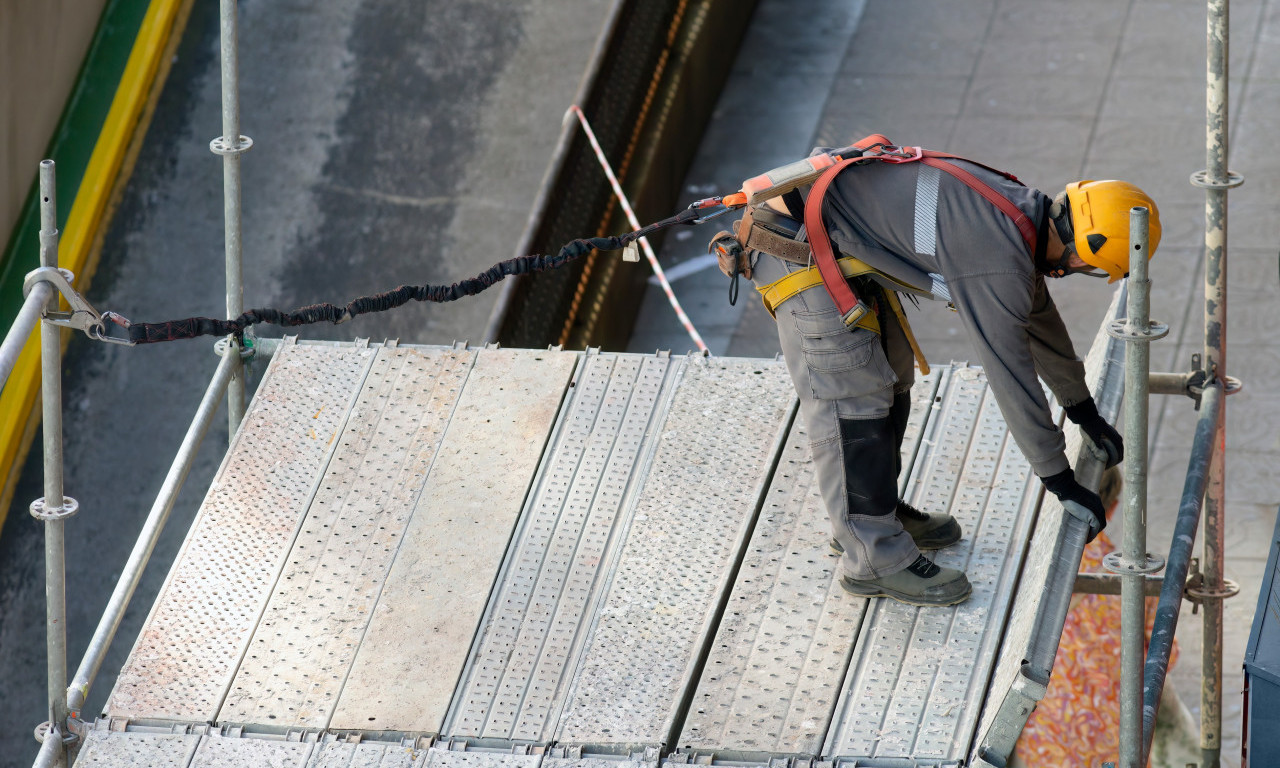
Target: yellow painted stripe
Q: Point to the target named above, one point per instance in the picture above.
(20, 392)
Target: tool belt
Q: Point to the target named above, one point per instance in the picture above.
(775, 234)
(779, 291)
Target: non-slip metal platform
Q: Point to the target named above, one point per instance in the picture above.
(583, 559)
(193, 641)
(777, 663)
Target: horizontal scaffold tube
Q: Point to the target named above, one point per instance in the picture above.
(22, 327)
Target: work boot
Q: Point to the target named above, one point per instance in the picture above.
(929, 531)
(921, 583)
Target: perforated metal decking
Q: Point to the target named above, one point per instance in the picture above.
(512, 559)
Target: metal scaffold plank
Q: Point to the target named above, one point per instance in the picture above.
(919, 674)
(775, 669)
(302, 650)
(715, 452)
(780, 653)
(366, 755)
(188, 650)
(422, 628)
(450, 758)
(227, 752)
(115, 749)
(647, 758)
(584, 494)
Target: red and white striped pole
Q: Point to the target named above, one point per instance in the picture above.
(635, 224)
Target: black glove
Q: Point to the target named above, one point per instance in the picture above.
(1064, 486)
(1099, 431)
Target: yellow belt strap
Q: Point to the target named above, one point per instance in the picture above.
(775, 293)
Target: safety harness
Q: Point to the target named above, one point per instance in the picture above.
(759, 230)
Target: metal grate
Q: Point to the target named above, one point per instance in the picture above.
(776, 666)
(301, 653)
(516, 683)
(366, 755)
(403, 680)
(183, 661)
(716, 449)
(225, 752)
(110, 749)
(584, 201)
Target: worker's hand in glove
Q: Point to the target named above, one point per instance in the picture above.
(1064, 486)
(1099, 431)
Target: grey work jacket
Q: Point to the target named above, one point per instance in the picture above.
(1001, 299)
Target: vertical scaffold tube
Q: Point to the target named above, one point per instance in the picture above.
(1134, 562)
(1217, 182)
(54, 498)
(230, 146)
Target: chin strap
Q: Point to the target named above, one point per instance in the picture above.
(1043, 265)
(1060, 268)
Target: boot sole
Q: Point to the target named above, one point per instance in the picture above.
(868, 590)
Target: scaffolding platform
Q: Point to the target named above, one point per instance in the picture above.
(503, 558)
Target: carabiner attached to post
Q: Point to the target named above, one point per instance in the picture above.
(108, 327)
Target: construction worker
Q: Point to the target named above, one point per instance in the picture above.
(913, 219)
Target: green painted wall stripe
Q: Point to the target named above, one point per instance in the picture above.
(72, 143)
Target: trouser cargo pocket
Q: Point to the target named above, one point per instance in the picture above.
(827, 360)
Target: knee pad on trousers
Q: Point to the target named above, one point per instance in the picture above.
(899, 413)
(869, 454)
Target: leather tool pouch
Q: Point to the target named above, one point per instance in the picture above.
(730, 255)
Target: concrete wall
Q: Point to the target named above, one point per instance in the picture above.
(42, 44)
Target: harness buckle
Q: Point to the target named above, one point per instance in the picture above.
(901, 154)
(852, 317)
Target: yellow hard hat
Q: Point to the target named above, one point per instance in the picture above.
(1099, 222)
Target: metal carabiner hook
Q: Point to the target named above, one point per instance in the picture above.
(82, 317)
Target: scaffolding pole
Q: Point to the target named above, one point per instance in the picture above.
(230, 145)
(1133, 563)
(1216, 181)
(54, 508)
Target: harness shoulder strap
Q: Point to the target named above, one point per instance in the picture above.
(849, 305)
(823, 254)
(1020, 219)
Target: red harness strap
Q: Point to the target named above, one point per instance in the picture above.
(1020, 219)
(847, 302)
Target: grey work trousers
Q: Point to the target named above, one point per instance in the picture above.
(841, 374)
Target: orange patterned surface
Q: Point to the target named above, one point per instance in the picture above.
(1078, 722)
